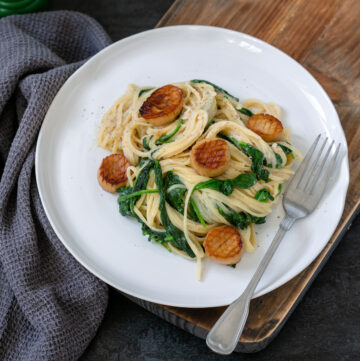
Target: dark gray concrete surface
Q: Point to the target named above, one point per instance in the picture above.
(325, 325)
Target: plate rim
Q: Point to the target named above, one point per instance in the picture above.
(78, 255)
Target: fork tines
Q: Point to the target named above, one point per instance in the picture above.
(316, 168)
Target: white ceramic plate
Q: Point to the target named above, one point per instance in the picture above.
(86, 219)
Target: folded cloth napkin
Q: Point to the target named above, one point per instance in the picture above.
(50, 306)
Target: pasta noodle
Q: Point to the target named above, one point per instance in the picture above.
(207, 113)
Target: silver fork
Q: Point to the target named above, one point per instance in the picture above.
(300, 199)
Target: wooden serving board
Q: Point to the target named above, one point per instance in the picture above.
(324, 36)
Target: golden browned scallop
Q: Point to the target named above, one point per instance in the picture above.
(224, 245)
(163, 105)
(267, 126)
(112, 172)
(210, 157)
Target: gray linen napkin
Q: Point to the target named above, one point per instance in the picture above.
(50, 306)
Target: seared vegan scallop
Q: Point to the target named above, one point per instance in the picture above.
(267, 126)
(112, 172)
(224, 245)
(210, 157)
(163, 105)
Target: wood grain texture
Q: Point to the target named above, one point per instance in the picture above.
(324, 36)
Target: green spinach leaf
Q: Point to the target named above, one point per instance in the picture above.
(166, 137)
(257, 157)
(124, 205)
(258, 160)
(128, 196)
(145, 143)
(286, 150)
(142, 162)
(209, 124)
(175, 197)
(244, 181)
(216, 184)
(197, 211)
(143, 91)
(245, 111)
(154, 151)
(226, 187)
(175, 235)
(278, 161)
(135, 194)
(158, 237)
(257, 220)
(263, 195)
(141, 182)
(240, 220)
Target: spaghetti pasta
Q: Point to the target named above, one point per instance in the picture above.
(189, 211)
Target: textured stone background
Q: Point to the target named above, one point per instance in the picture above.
(326, 324)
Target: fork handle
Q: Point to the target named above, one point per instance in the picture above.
(224, 335)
